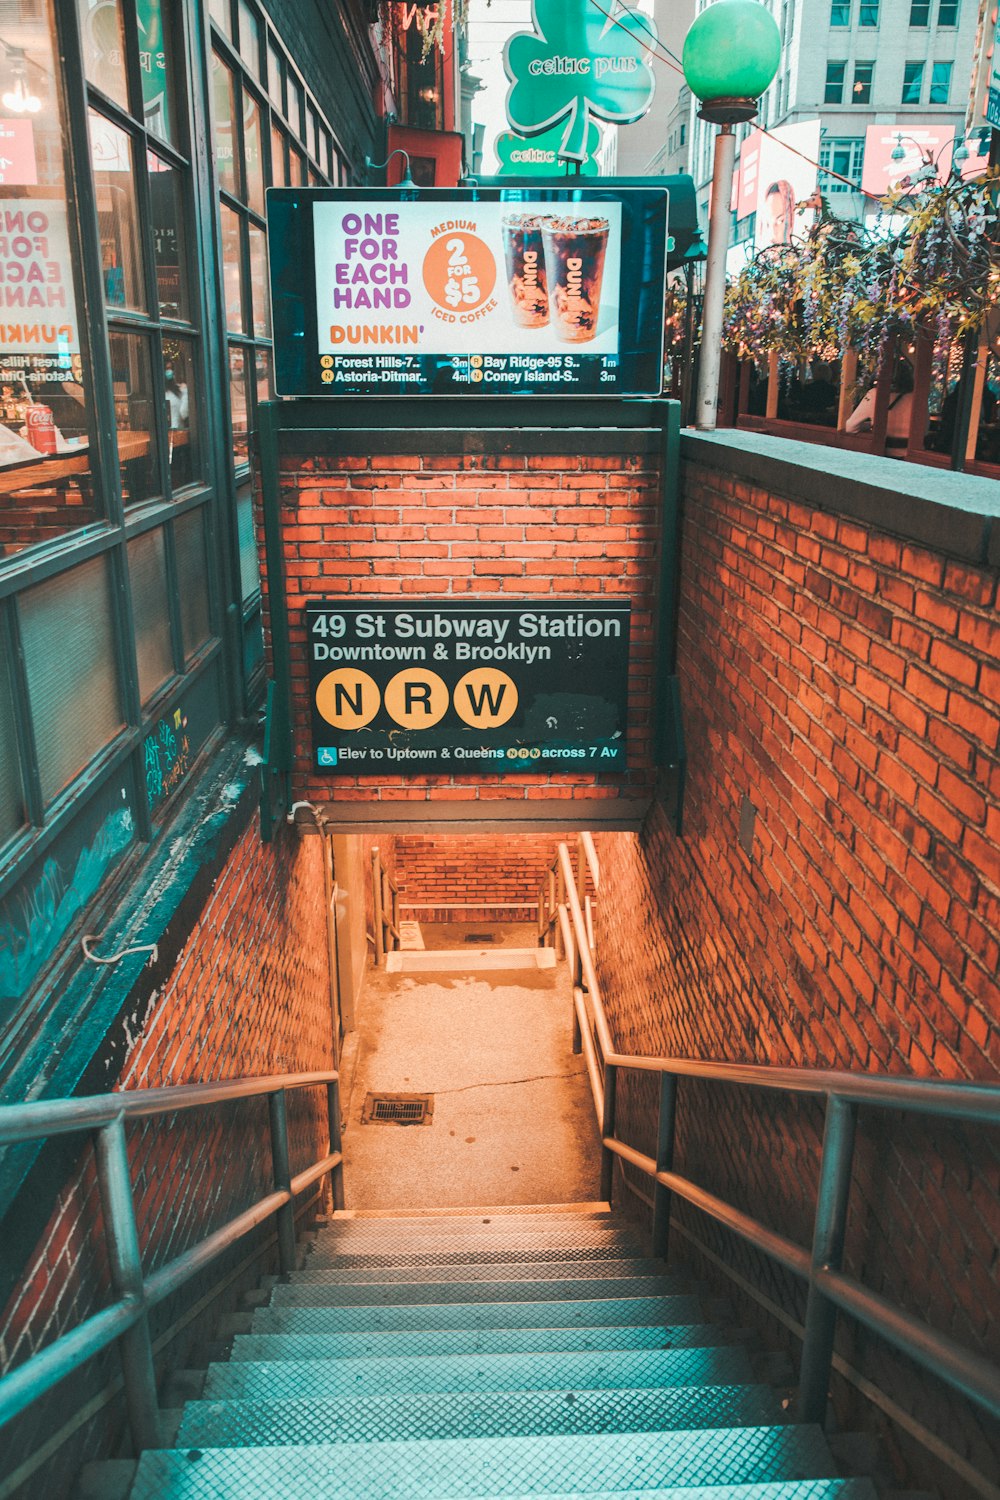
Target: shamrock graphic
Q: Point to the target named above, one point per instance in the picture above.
(581, 60)
(539, 157)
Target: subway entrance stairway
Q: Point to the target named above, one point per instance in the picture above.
(488, 1354)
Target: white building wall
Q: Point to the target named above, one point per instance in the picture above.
(811, 42)
(642, 147)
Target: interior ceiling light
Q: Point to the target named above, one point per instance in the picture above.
(19, 99)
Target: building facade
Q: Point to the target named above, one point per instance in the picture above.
(853, 64)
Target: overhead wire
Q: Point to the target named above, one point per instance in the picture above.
(663, 54)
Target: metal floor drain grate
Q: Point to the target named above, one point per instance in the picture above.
(398, 1109)
(479, 937)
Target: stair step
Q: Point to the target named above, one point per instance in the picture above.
(445, 1469)
(262, 1347)
(467, 960)
(585, 1313)
(604, 1370)
(525, 1270)
(578, 1255)
(494, 1221)
(496, 1235)
(301, 1293)
(471, 1414)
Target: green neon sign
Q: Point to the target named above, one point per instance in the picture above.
(579, 64)
(538, 155)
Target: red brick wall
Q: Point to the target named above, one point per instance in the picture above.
(454, 877)
(249, 994)
(846, 682)
(511, 525)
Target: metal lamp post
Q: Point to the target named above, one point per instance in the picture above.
(731, 55)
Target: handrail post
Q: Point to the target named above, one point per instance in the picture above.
(125, 1262)
(664, 1163)
(829, 1231)
(336, 1142)
(608, 1130)
(377, 905)
(282, 1180)
(395, 915)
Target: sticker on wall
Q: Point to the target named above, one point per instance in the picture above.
(453, 687)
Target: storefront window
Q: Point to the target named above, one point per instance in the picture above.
(275, 74)
(253, 155)
(232, 269)
(165, 186)
(180, 380)
(46, 410)
(222, 115)
(135, 420)
(111, 155)
(155, 65)
(279, 174)
(238, 404)
(258, 280)
(147, 566)
(75, 701)
(102, 35)
(192, 581)
(219, 10)
(249, 39)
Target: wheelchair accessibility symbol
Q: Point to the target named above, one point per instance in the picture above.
(326, 755)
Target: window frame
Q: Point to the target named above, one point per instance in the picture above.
(913, 81)
(934, 84)
(833, 87)
(120, 757)
(867, 87)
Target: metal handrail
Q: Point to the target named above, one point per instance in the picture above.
(830, 1289)
(385, 898)
(126, 1321)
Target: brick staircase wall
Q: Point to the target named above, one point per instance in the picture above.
(500, 524)
(248, 994)
(844, 683)
(474, 877)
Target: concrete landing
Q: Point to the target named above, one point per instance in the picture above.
(513, 1119)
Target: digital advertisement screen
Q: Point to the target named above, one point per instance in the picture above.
(555, 291)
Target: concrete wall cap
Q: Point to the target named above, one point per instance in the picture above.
(956, 513)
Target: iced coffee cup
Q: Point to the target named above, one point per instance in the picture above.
(525, 260)
(574, 268)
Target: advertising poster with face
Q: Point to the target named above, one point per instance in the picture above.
(784, 174)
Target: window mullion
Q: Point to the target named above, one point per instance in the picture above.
(31, 783)
(128, 664)
(81, 199)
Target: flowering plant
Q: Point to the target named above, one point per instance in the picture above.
(931, 261)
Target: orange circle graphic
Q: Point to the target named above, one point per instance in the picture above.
(460, 272)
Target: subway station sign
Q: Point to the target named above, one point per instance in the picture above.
(454, 687)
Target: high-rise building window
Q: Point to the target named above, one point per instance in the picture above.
(833, 92)
(948, 13)
(861, 89)
(840, 12)
(845, 156)
(868, 15)
(913, 82)
(940, 82)
(920, 13)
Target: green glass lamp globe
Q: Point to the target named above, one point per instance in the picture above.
(732, 51)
